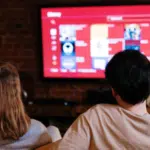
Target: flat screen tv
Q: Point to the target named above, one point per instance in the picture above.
(78, 42)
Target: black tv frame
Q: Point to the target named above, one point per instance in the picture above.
(75, 4)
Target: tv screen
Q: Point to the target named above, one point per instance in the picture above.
(78, 42)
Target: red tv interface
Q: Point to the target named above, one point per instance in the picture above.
(78, 42)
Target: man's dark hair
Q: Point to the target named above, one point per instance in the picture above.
(128, 73)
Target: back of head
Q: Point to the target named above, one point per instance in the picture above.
(128, 74)
(13, 120)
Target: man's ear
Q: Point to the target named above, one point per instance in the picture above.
(114, 93)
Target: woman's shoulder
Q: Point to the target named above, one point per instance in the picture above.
(36, 129)
(37, 126)
(37, 123)
(37, 133)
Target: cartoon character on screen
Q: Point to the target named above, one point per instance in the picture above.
(137, 33)
(132, 32)
(126, 34)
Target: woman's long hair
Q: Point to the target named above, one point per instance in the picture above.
(14, 122)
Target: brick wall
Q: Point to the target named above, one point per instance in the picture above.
(19, 45)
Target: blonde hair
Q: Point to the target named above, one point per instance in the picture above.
(14, 122)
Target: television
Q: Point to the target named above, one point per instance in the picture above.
(78, 42)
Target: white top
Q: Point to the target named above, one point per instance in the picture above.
(36, 136)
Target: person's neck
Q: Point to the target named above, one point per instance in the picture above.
(139, 109)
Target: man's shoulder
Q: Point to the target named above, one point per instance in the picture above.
(102, 109)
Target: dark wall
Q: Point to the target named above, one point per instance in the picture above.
(19, 45)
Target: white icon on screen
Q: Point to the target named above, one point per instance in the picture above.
(54, 58)
(68, 48)
(54, 70)
(54, 48)
(68, 63)
(53, 32)
(99, 64)
(53, 42)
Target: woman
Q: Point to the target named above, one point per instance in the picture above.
(17, 130)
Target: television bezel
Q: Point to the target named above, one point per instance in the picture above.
(69, 5)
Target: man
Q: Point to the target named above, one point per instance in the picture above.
(116, 127)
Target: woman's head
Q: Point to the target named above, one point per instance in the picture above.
(13, 120)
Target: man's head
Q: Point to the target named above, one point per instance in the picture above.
(128, 73)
